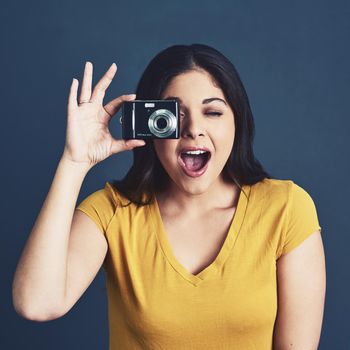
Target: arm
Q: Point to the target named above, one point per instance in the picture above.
(40, 277)
(301, 279)
(65, 249)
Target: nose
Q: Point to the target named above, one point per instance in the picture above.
(192, 126)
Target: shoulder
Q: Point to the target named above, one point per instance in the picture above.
(286, 211)
(107, 203)
(103, 202)
(123, 203)
(273, 190)
(100, 206)
(280, 190)
(103, 197)
(292, 198)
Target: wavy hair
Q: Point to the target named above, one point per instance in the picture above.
(147, 176)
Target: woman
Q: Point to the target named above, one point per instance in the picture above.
(200, 251)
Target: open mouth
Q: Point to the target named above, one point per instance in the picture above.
(194, 164)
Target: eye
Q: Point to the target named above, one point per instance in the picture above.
(214, 113)
(182, 115)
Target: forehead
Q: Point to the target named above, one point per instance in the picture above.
(194, 83)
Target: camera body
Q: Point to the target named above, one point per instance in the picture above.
(150, 119)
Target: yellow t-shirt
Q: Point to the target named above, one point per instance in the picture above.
(154, 302)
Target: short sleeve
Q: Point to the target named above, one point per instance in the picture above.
(301, 219)
(100, 206)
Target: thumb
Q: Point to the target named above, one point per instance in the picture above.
(124, 145)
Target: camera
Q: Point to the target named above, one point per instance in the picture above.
(150, 119)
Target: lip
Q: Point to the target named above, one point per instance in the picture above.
(192, 148)
(189, 172)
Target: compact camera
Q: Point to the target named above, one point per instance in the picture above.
(150, 119)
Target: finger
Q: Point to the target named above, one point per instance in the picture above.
(85, 93)
(104, 82)
(72, 98)
(124, 145)
(113, 106)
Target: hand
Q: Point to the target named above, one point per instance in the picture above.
(88, 140)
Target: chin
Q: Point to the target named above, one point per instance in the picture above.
(194, 188)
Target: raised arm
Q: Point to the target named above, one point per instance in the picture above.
(56, 246)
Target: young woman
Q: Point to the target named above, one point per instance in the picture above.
(201, 250)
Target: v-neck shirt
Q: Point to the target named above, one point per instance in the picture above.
(154, 302)
(226, 247)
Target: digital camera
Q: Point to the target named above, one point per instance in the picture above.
(150, 119)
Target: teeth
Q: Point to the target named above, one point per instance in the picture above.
(195, 152)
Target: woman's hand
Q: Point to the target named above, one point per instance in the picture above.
(88, 140)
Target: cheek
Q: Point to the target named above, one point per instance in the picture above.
(224, 139)
(226, 129)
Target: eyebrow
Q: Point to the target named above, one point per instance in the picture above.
(205, 101)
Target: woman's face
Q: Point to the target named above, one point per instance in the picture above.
(206, 121)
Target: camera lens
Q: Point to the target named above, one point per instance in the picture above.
(162, 123)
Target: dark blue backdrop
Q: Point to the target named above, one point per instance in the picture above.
(293, 58)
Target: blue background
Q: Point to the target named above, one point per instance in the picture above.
(293, 58)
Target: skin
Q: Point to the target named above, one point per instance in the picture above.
(198, 128)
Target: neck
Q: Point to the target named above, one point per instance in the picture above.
(220, 195)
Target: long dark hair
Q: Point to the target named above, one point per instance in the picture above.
(147, 175)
